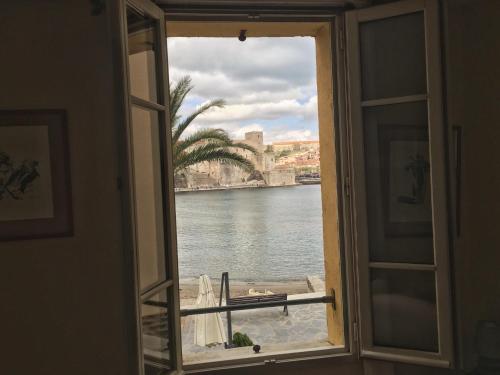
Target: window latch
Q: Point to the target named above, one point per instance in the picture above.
(334, 300)
(347, 186)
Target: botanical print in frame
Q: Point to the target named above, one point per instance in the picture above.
(35, 195)
(405, 172)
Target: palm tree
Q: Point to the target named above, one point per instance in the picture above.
(205, 144)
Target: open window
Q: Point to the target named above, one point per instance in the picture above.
(381, 139)
(150, 186)
(398, 155)
(320, 31)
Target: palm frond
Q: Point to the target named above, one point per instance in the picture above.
(179, 129)
(210, 135)
(244, 146)
(177, 96)
(212, 152)
(205, 144)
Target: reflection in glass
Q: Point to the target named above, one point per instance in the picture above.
(404, 309)
(155, 333)
(148, 196)
(398, 183)
(393, 57)
(141, 59)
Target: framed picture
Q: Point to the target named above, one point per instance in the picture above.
(35, 191)
(405, 180)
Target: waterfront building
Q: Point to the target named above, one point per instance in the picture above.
(219, 174)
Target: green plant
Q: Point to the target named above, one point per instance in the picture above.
(204, 144)
(241, 339)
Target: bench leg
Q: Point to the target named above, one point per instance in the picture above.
(285, 310)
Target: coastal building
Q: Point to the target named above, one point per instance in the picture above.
(296, 146)
(218, 174)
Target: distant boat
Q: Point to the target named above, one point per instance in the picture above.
(308, 179)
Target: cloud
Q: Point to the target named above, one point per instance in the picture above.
(259, 110)
(269, 84)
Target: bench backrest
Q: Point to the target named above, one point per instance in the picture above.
(253, 299)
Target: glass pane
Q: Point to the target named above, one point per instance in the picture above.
(393, 57)
(398, 183)
(404, 309)
(148, 196)
(155, 334)
(141, 59)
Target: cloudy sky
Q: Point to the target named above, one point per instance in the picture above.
(269, 84)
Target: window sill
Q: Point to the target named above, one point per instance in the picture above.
(244, 357)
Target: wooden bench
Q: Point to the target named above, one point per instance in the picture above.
(224, 284)
(260, 298)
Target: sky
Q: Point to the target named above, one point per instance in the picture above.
(269, 84)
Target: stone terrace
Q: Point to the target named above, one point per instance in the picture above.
(305, 326)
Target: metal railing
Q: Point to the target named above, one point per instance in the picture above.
(246, 306)
(249, 306)
(258, 305)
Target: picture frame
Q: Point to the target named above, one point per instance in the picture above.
(35, 181)
(405, 180)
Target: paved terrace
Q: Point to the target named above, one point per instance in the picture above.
(304, 327)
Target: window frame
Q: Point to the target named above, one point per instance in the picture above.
(343, 109)
(124, 102)
(348, 351)
(436, 129)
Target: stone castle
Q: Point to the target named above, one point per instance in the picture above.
(217, 174)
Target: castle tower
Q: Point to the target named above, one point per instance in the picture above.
(257, 138)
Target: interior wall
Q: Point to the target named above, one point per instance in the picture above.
(473, 64)
(62, 309)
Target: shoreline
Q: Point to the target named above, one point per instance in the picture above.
(188, 288)
(235, 187)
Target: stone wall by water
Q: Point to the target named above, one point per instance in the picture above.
(217, 174)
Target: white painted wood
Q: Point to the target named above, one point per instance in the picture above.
(360, 225)
(396, 100)
(393, 9)
(444, 358)
(170, 284)
(344, 190)
(403, 266)
(407, 356)
(438, 178)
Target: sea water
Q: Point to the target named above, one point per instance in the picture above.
(255, 234)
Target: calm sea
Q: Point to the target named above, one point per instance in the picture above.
(254, 234)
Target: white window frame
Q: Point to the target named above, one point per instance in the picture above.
(444, 357)
(357, 323)
(348, 349)
(117, 14)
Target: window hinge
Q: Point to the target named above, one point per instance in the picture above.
(334, 300)
(347, 186)
(355, 331)
(341, 39)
